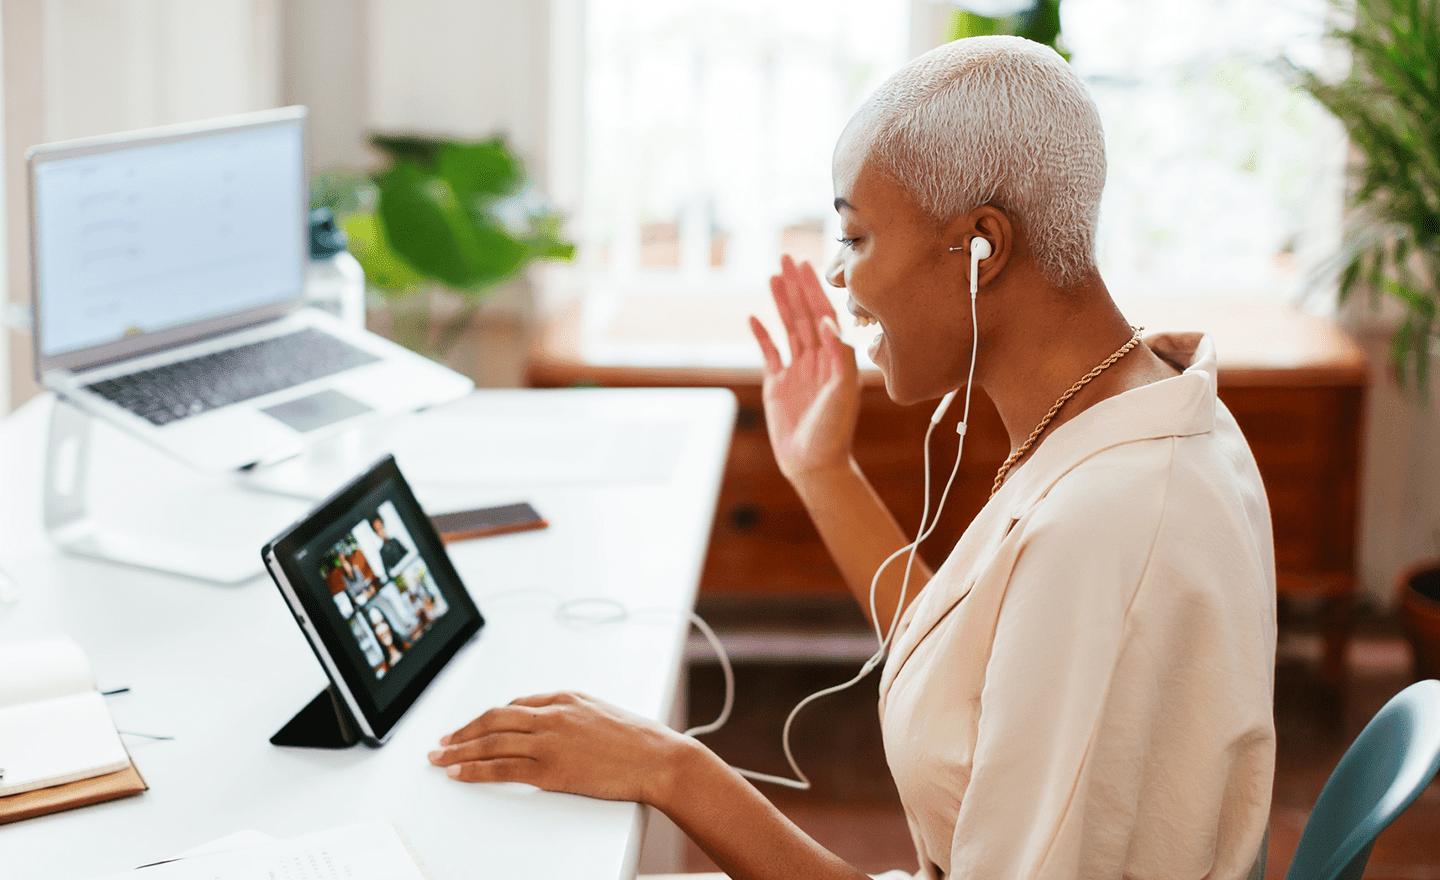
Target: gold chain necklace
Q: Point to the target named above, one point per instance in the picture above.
(1084, 380)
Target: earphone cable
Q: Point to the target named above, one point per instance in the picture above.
(927, 526)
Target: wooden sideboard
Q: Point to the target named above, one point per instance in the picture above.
(1295, 383)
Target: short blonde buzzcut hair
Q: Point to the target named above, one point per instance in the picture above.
(1004, 121)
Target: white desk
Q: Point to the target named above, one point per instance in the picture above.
(222, 668)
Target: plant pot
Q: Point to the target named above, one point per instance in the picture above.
(1419, 589)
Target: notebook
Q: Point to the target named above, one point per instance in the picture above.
(167, 273)
(58, 745)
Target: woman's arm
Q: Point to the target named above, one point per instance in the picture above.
(861, 533)
(571, 743)
(811, 406)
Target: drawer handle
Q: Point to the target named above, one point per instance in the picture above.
(744, 517)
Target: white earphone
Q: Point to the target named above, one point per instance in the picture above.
(979, 250)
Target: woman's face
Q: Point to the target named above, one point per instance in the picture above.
(382, 632)
(896, 266)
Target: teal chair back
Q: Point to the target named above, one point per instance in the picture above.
(1383, 771)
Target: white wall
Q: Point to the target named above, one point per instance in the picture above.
(1400, 481)
(461, 67)
(5, 308)
(324, 65)
(115, 66)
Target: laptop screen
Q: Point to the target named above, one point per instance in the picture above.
(144, 237)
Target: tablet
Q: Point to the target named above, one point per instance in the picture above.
(371, 586)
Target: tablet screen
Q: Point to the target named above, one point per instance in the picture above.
(375, 581)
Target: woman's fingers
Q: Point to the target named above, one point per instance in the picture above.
(513, 717)
(498, 770)
(522, 715)
(837, 351)
(773, 364)
(815, 298)
(784, 305)
(805, 316)
(505, 744)
(537, 700)
(802, 305)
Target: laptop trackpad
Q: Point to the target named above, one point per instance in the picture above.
(316, 410)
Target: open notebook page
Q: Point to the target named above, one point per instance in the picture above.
(54, 726)
(41, 668)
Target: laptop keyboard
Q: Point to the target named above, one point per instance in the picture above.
(186, 388)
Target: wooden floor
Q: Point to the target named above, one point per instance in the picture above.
(854, 811)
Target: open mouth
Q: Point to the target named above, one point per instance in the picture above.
(862, 317)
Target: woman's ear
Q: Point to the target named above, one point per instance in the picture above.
(991, 224)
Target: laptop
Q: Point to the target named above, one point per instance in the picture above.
(167, 273)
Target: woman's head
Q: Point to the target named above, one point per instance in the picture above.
(382, 628)
(992, 137)
(994, 120)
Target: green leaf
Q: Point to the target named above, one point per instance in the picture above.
(501, 257)
(427, 226)
(1348, 278)
(384, 269)
(1042, 24)
(552, 249)
(480, 172)
(970, 24)
(420, 150)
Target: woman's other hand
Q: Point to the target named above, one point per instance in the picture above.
(567, 742)
(812, 403)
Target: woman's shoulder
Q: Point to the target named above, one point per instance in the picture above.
(1157, 488)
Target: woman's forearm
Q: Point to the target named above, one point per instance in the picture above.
(741, 831)
(860, 533)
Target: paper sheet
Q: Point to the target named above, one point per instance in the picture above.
(368, 851)
(42, 668)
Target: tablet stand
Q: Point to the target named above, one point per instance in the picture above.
(72, 527)
(323, 724)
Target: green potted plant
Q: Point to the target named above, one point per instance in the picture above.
(453, 215)
(1390, 107)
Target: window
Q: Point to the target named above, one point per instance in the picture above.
(708, 129)
(709, 124)
(1223, 179)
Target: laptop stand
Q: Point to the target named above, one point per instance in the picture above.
(72, 527)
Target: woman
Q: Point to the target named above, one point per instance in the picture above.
(386, 637)
(1084, 688)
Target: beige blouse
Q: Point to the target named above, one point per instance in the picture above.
(1085, 688)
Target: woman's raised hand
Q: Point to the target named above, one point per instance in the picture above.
(812, 403)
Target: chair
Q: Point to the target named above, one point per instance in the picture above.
(1383, 771)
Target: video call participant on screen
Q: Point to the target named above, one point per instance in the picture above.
(386, 636)
(391, 550)
(1085, 687)
(354, 581)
